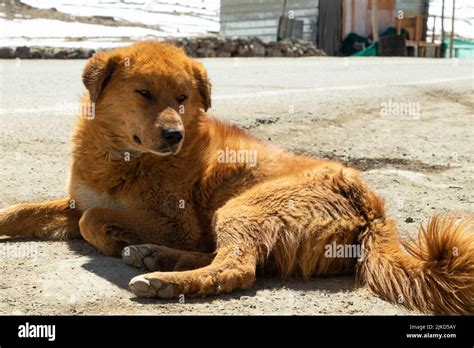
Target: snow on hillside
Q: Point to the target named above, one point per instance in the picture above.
(168, 18)
(54, 33)
(173, 16)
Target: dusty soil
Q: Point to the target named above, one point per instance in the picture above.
(421, 165)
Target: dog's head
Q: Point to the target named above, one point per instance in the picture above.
(148, 93)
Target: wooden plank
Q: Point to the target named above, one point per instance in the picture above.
(375, 26)
(453, 18)
(384, 5)
(343, 19)
(353, 16)
(442, 23)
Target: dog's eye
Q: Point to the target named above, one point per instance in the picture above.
(182, 98)
(145, 94)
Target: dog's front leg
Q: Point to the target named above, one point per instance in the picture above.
(233, 266)
(48, 220)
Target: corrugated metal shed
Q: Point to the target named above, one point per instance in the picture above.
(260, 17)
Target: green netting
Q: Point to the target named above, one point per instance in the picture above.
(371, 51)
(461, 48)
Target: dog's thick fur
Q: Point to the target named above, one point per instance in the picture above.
(206, 227)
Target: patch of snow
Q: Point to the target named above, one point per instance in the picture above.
(173, 16)
(50, 32)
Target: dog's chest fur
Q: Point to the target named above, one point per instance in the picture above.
(86, 197)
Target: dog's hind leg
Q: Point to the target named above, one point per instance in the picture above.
(48, 220)
(288, 221)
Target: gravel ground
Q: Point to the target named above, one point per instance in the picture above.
(343, 109)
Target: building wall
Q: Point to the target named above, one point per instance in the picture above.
(260, 17)
(359, 21)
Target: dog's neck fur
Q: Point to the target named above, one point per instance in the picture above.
(104, 163)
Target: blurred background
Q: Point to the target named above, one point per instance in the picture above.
(229, 28)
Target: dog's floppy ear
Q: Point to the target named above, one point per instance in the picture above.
(204, 86)
(97, 73)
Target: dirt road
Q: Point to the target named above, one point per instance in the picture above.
(407, 123)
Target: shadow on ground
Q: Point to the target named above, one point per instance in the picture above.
(118, 273)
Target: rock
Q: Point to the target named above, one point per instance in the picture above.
(35, 53)
(223, 54)
(257, 48)
(227, 47)
(78, 54)
(106, 18)
(409, 220)
(47, 53)
(22, 52)
(202, 52)
(275, 52)
(6, 53)
(243, 51)
(59, 53)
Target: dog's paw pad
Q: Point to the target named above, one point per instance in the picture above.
(133, 255)
(167, 291)
(152, 287)
(150, 263)
(141, 287)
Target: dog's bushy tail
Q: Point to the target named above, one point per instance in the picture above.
(435, 274)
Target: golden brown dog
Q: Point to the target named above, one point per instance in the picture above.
(204, 205)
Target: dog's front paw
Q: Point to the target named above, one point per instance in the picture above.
(153, 285)
(138, 255)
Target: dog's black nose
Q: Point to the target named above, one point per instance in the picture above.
(172, 136)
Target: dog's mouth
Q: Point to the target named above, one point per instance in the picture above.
(166, 150)
(161, 150)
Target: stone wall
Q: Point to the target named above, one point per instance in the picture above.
(201, 47)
